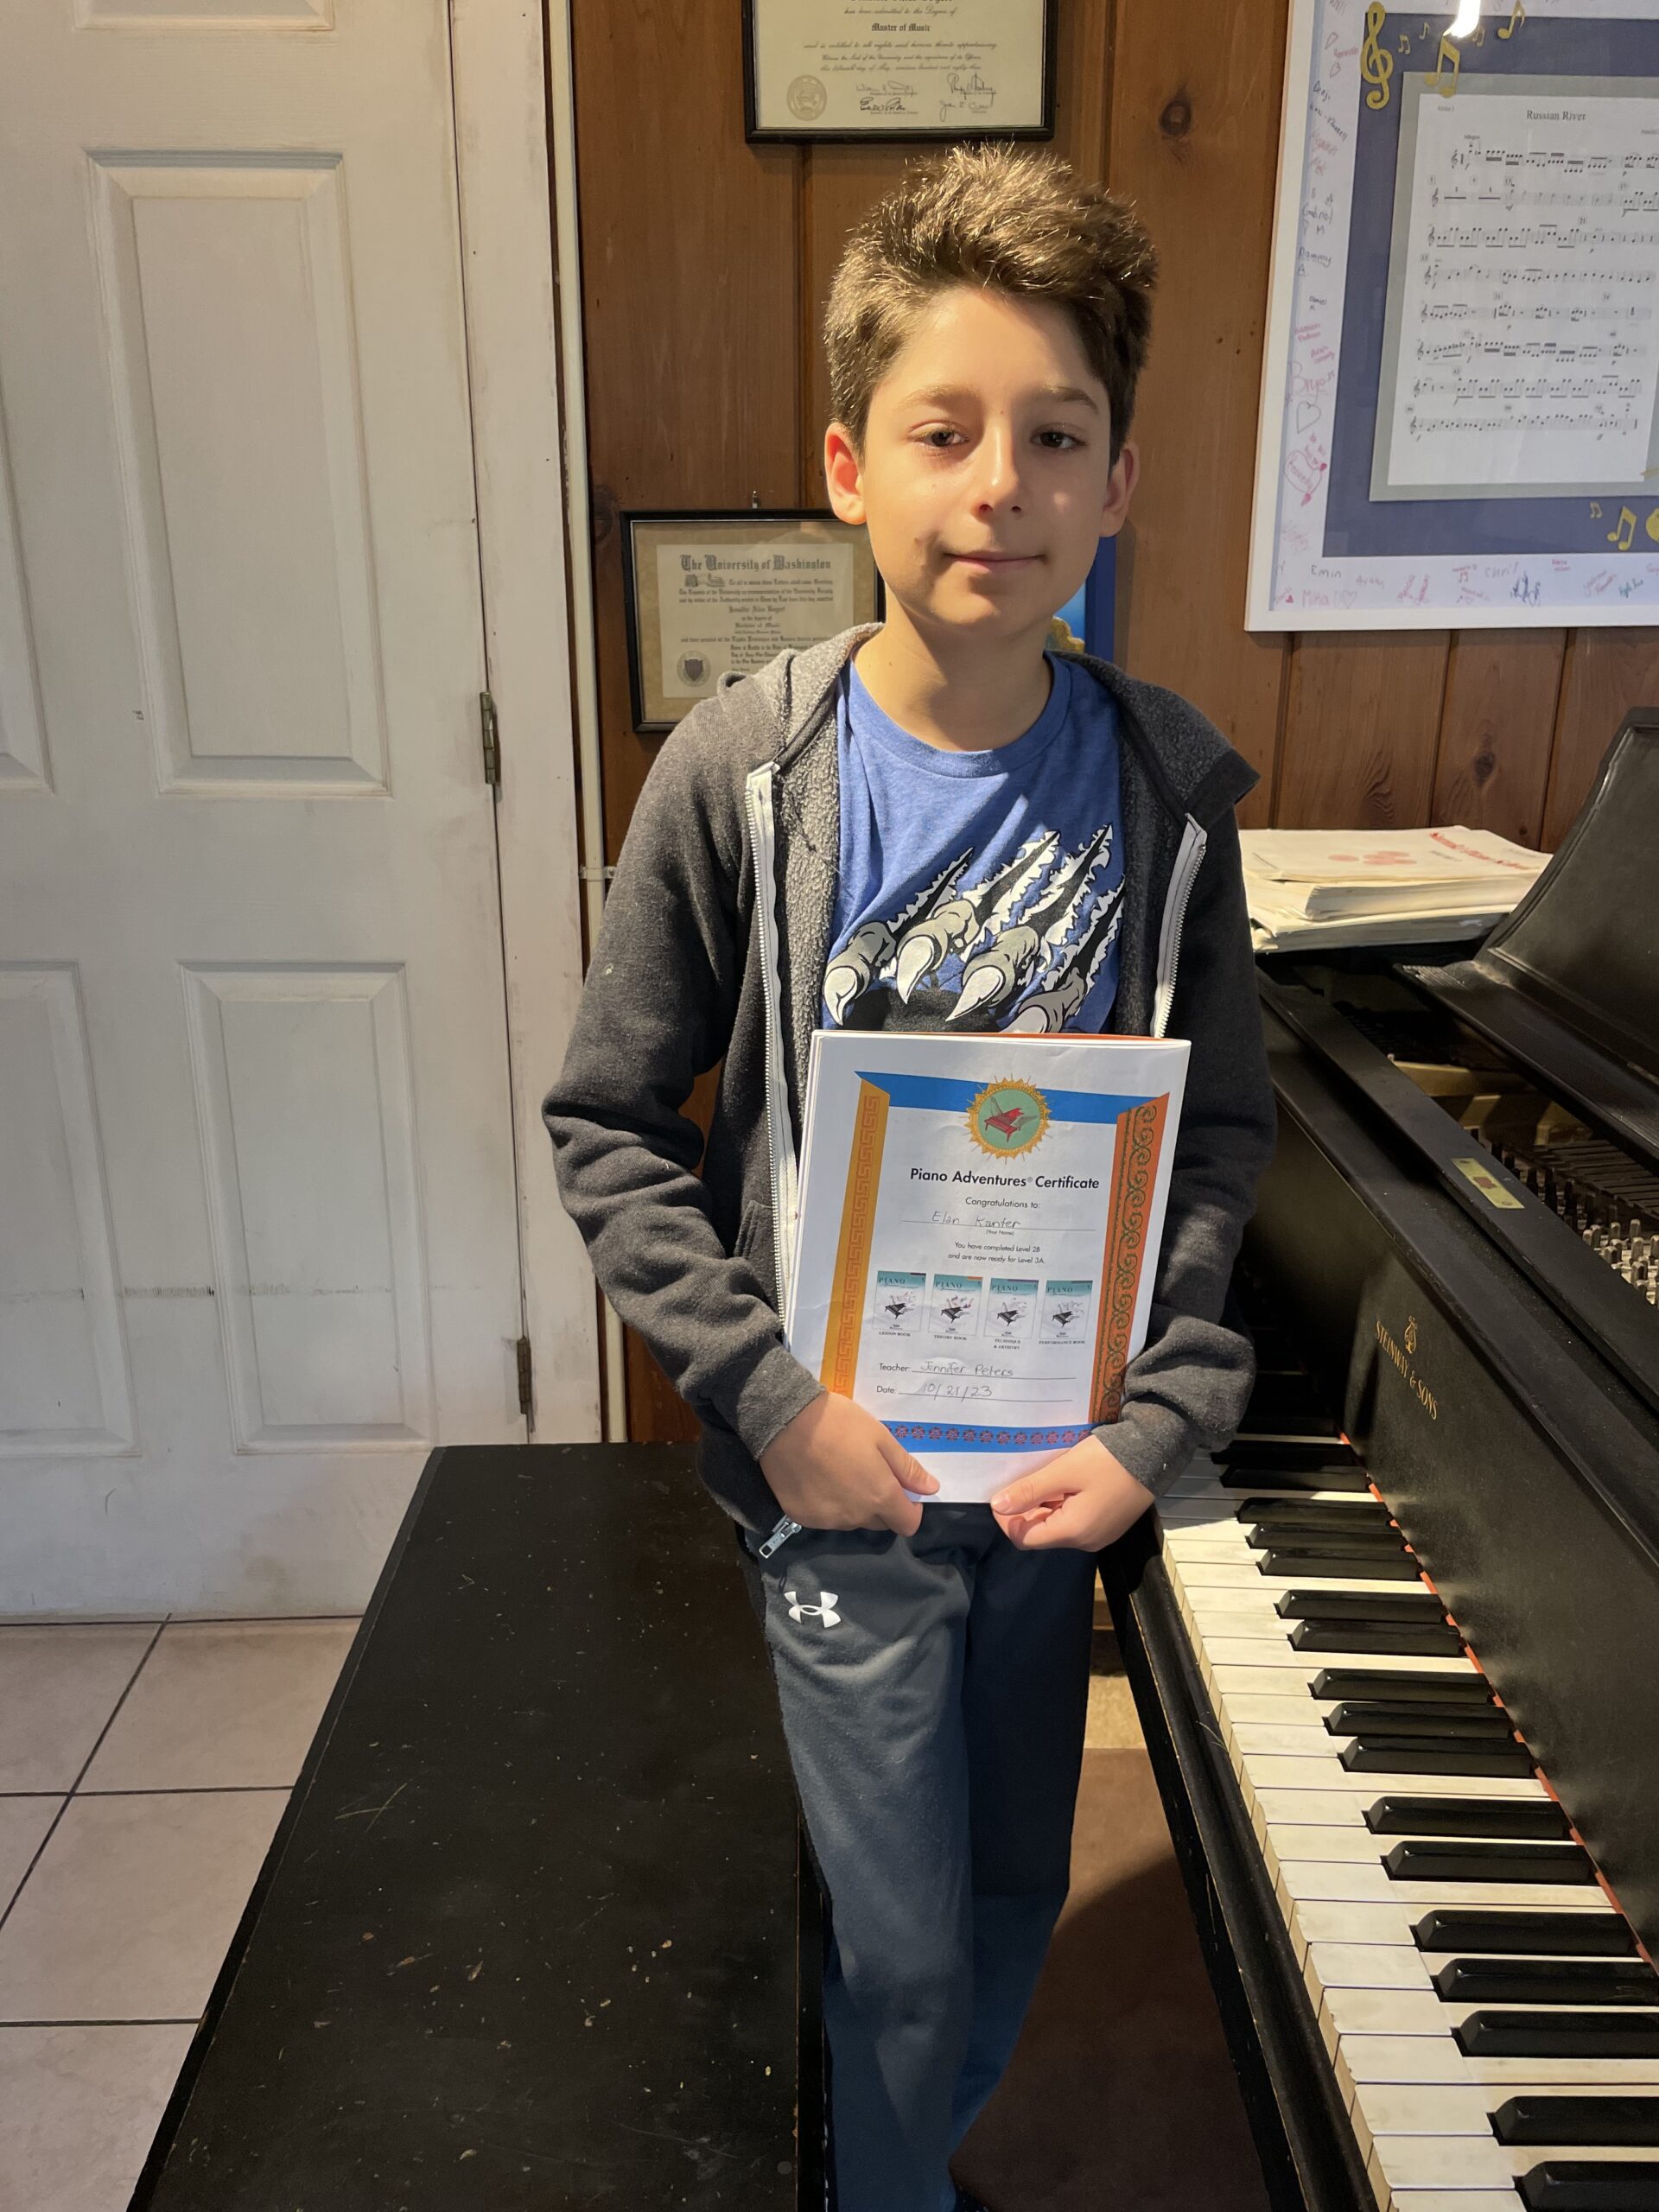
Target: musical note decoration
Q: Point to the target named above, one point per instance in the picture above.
(1651, 525)
(1439, 81)
(1595, 509)
(1375, 65)
(1620, 539)
(1518, 16)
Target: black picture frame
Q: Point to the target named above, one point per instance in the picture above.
(734, 519)
(804, 133)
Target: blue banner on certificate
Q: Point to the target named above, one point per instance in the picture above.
(977, 1237)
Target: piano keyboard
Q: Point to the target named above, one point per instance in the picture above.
(1492, 2025)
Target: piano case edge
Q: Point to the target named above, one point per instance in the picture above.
(1310, 2159)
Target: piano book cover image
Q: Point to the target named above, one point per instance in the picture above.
(977, 1237)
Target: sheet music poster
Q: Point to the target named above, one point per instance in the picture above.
(1460, 398)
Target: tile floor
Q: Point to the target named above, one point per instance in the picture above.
(144, 1767)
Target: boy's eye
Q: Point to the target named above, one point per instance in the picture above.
(1067, 437)
(938, 437)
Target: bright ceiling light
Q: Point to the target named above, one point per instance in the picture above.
(1468, 16)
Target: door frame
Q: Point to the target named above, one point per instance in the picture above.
(499, 76)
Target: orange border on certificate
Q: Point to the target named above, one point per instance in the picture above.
(845, 1324)
(1134, 1176)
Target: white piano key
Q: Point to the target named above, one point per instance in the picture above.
(1299, 1878)
(1361, 2058)
(1216, 1576)
(1440, 2162)
(1421, 2108)
(1366, 1966)
(1353, 2012)
(1278, 1770)
(1339, 1920)
(1296, 1710)
(1231, 1650)
(1522, 2156)
(1364, 2058)
(1295, 1841)
(1262, 1736)
(1450, 2199)
(1332, 1809)
(1309, 1665)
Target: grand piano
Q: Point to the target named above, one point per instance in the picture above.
(1397, 1651)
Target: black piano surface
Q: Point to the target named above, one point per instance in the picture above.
(1457, 1244)
(528, 1933)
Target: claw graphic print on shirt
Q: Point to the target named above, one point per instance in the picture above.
(978, 891)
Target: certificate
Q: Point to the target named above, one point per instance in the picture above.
(977, 1237)
(926, 69)
(708, 593)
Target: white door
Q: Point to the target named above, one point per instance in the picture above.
(259, 1246)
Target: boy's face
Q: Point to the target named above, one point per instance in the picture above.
(986, 477)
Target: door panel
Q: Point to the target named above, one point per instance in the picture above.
(258, 1250)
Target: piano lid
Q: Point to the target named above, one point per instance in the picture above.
(1568, 985)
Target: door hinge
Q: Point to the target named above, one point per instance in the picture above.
(492, 733)
(523, 1375)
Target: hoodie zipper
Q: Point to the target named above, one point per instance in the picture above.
(1187, 862)
(780, 1150)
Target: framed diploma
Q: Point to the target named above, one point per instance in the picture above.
(977, 1237)
(1460, 386)
(707, 593)
(923, 69)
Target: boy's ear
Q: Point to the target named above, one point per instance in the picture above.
(1120, 489)
(843, 472)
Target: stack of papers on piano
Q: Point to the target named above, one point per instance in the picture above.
(1313, 888)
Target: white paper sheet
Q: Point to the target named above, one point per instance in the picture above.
(1528, 347)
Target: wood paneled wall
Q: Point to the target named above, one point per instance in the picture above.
(705, 265)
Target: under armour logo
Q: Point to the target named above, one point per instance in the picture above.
(824, 1611)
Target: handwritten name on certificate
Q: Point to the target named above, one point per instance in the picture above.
(978, 1235)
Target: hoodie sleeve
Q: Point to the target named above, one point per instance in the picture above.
(1187, 1390)
(656, 1011)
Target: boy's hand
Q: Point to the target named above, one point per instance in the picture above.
(836, 1466)
(1081, 1502)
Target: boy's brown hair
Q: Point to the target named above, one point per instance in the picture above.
(1017, 222)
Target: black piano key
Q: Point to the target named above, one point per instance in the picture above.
(1522, 1819)
(1397, 1566)
(1429, 1859)
(1249, 1465)
(1511, 1934)
(1592, 2185)
(1434, 1755)
(1302, 1424)
(1401, 1689)
(1558, 2034)
(1548, 1981)
(1538, 2119)
(1366, 1717)
(1375, 1608)
(1275, 1536)
(1324, 1517)
(1361, 1636)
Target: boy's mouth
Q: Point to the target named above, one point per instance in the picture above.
(998, 560)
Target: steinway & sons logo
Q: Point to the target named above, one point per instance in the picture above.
(1401, 1356)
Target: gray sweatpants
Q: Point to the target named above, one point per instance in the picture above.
(934, 1691)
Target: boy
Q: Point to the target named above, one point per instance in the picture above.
(932, 824)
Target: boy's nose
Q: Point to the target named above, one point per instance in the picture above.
(999, 484)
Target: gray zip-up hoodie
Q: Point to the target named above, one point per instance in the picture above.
(712, 949)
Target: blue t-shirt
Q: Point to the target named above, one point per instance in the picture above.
(979, 890)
